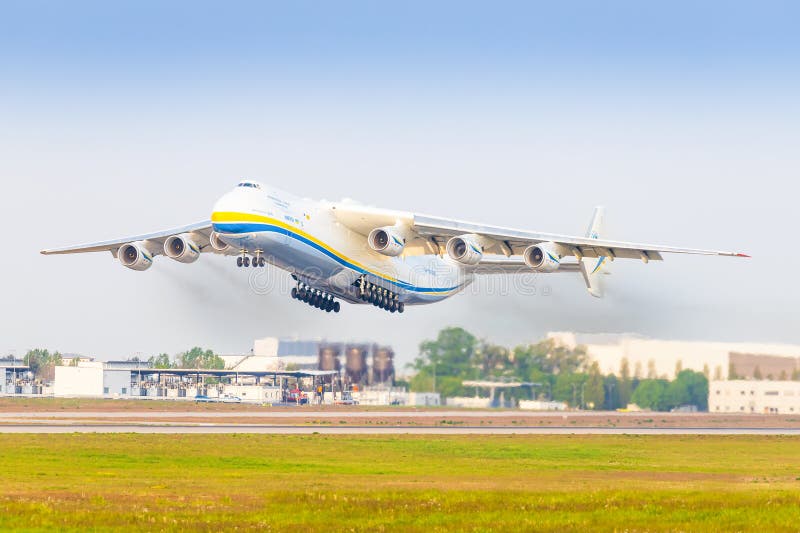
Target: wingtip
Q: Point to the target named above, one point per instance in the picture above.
(743, 255)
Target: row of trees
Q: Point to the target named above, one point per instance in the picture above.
(194, 358)
(554, 371)
(42, 362)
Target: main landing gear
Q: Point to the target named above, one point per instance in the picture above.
(378, 296)
(315, 298)
(244, 260)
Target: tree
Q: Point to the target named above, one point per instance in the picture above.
(651, 394)
(41, 361)
(611, 386)
(688, 388)
(678, 367)
(199, 358)
(446, 361)
(568, 388)
(718, 373)
(161, 361)
(625, 386)
(757, 373)
(651, 369)
(594, 391)
(732, 371)
(492, 359)
(637, 371)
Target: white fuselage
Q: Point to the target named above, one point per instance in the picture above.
(304, 238)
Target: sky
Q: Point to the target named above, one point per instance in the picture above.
(118, 118)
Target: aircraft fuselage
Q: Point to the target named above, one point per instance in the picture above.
(304, 238)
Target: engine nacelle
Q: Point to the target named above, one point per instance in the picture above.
(465, 249)
(181, 248)
(135, 256)
(386, 241)
(543, 257)
(218, 244)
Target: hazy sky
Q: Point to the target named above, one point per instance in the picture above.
(682, 118)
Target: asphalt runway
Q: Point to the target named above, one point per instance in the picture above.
(305, 421)
(370, 430)
(300, 412)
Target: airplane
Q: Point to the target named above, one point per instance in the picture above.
(364, 255)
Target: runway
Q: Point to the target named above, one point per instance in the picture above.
(156, 428)
(300, 421)
(300, 412)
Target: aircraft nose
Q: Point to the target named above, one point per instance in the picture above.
(225, 203)
(242, 199)
(229, 203)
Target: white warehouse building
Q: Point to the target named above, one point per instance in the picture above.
(661, 358)
(749, 396)
(91, 380)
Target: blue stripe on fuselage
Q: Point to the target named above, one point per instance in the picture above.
(251, 227)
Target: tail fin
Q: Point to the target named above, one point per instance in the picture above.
(593, 268)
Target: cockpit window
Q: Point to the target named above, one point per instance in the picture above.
(250, 184)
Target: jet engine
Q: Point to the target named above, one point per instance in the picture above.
(386, 241)
(465, 249)
(181, 248)
(135, 256)
(543, 257)
(218, 244)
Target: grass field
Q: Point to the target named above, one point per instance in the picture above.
(403, 483)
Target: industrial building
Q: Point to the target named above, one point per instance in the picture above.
(750, 396)
(16, 378)
(654, 358)
(360, 363)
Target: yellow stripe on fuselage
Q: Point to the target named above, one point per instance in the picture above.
(230, 216)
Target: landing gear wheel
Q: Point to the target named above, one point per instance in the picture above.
(246, 261)
(294, 293)
(262, 262)
(239, 261)
(400, 307)
(255, 262)
(336, 307)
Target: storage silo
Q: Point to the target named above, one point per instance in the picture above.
(329, 356)
(382, 365)
(356, 362)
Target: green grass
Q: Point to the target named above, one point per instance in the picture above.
(399, 483)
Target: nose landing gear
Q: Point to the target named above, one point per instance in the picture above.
(244, 260)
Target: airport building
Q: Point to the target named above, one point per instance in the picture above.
(360, 363)
(16, 378)
(750, 396)
(650, 358)
(276, 371)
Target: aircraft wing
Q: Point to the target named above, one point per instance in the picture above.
(434, 232)
(514, 265)
(516, 241)
(200, 232)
